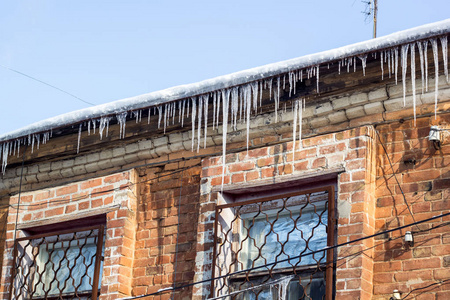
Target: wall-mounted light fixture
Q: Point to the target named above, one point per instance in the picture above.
(409, 239)
(396, 295)
(435, 137)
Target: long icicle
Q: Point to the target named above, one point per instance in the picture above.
(199, 127)
(419, 46)
(404, 68)
(193, 114)
(434, 45)
(205, 113)
(444, 55)
(225, 105)
(413, 78)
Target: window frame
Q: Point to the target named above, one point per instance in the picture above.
(97, 266)
(257, 198)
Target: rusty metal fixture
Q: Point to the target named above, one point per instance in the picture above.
(58, 265)
(273, 233)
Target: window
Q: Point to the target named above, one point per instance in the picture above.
(59, 265)
(266, 240)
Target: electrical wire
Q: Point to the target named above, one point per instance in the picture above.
(425, 287)
(395, 176)
(48, 84)
(289, 259)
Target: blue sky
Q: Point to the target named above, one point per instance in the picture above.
(103, 51)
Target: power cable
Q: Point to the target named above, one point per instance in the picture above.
(48, 84)
(425, 287)
(395, 176)
(288, 259)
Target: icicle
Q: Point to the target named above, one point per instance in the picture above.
(382, 65)
(425, 60)
(339, 67)
(294, 129)
(94, 124)
(104, 122)
(248, 100)
(413, 79)
(214, 110)
(269, 84)
(348, 65)
(205, 102)
(404, 68)
(148, 117)
(277, 101)
(234, 106)
(363, 59)
(290, 83)
(174, 112)
(5, 154)
(283, 287)
(295, 83)
(354, 64)
(254, 88)
(434, 45)
(444, 55)
(32, 143)
(225, 105)
(166, 108)
(388, 54)
(194, 111)
(301, 74)
(419, 46)
(187, 109)
(260, 94)
(159, 115)
(317, 78)
(135, 115)
(242, 104)
(300, 121)
(122, 120)
(182, 112)
(18, 148)
(396, 63)
(38, 138)
(79, 138)
(218, 109)
(179, 111)
(89, 127)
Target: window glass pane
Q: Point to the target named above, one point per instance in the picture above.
(274, 238)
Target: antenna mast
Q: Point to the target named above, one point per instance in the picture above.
(375, 11)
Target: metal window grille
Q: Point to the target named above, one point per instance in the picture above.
(59, 265)
(274, 232)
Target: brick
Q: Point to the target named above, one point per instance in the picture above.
(67, 190)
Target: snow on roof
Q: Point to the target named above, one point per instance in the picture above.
(226, 81)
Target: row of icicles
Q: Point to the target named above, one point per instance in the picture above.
(240, 102)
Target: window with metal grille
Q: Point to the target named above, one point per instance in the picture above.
(261, 241)
(58, 265)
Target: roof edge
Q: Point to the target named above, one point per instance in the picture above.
(230, 80)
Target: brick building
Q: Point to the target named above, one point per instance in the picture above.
(324, 165)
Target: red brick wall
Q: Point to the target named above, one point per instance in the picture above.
(114, 191)
(423, 175)
(168, 196)
(351, 149)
